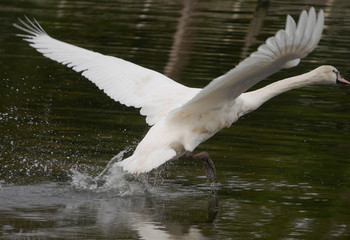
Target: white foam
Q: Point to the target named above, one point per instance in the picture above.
(112, 179)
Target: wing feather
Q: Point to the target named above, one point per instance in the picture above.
(123, 81)
(284, 50)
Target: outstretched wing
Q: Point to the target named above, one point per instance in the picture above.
(284, 50)
(123, 81)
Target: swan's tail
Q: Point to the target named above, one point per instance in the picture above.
(142, 163)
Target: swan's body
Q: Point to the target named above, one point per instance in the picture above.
(183, 117)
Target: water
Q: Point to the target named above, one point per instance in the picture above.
(283, 170)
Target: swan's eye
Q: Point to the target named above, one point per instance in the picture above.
(336, 72)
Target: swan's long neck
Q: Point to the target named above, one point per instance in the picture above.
(254, 99)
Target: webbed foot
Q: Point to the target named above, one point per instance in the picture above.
(208, 164)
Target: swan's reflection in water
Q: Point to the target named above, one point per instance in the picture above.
(60, 211)
(152, 221)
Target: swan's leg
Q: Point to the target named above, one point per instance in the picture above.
(208, 164)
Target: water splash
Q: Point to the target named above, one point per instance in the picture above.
(112, 180)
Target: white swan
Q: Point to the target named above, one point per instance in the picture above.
(183, 117)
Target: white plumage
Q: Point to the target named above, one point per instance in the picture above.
(183, 117)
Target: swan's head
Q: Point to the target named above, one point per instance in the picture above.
(330, 75)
